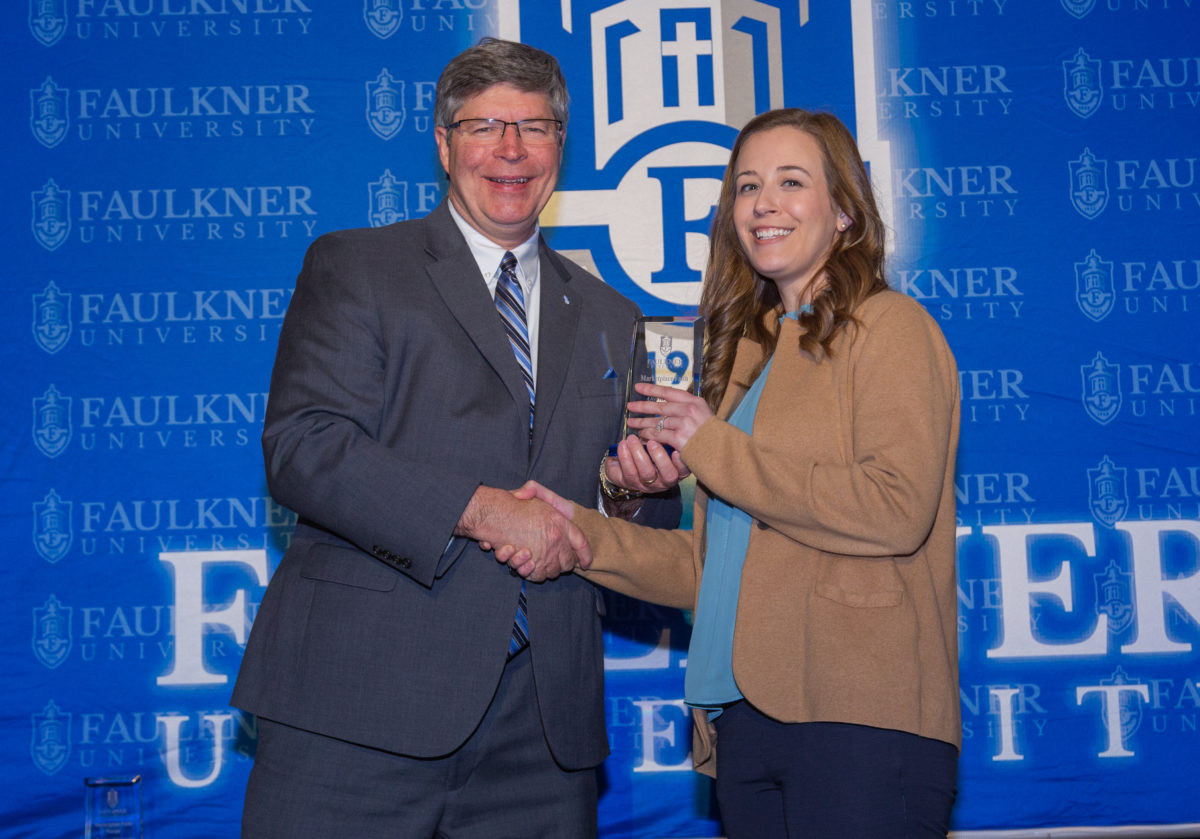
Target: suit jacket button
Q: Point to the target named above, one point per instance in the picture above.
(405, 561)
(378, 551)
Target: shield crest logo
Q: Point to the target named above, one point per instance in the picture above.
(51, 222)
(47, 20)
(382, 17)
(49, 118)
(385, 105)
(1082, 87)
(1108, 493)
(50, 743)
(1089, 184)
(1131, 705)
(52, 632)
(1101, 389)
(51, 318)
(1094, 290)
(1079, 8)
(1114, 597)
(52, 531)
(388, 199)
(51, 422)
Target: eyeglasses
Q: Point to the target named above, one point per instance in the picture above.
(489, 132)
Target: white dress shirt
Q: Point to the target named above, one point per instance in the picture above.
(488, 255)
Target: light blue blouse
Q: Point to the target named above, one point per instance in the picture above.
(708, 681)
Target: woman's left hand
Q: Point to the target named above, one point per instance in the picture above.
(644, 467)
(673, 420)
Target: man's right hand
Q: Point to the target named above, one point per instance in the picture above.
(548, 544)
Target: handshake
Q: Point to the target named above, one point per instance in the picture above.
(529, 528)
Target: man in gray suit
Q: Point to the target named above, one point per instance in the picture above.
(406, 683)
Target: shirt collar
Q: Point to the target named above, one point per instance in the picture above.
(488, 254)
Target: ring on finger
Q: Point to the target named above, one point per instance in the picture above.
(661, 422)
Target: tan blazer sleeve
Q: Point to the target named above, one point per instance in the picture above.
(643, 562)
(870, 483)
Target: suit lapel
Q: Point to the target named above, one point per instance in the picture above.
(747, 355)
(558, 322)
(455, 276)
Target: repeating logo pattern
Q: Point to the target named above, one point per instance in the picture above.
(385, 105)
(383, 17)
(1081, 84)
(1108, 494)
(52, 422)
(49, 118)
(1094, 286)
(1089, 184)
(52, 632)
(52, 529)
(1131, 707)
(51, 223)
(51, 318)
(1101, 389)
(1079, 8)
(388, 200)
(48, 20)
(50, 740)
(1114, 597)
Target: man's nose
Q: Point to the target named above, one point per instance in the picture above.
(511, 143)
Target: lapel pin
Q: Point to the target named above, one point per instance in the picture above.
(567, 300)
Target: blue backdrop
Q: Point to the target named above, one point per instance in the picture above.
(1038, 165)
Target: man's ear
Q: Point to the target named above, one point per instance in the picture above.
(442, 136)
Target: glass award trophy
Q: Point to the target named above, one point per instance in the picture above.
(666, 351)
(113, 808)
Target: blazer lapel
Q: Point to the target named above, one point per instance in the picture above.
(557, 325)
(455, 276)
(745, 357)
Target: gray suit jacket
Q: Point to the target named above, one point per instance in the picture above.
(395, 394)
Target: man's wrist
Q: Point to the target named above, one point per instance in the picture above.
(473, 516)
(612, 491)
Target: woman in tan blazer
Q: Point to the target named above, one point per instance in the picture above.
(822, 564)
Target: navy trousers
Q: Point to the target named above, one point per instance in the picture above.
(502, 783)
(830, 780)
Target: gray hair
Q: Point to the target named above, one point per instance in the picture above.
(491, 62)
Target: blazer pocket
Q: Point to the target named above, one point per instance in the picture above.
(860, 583)
(331, 564)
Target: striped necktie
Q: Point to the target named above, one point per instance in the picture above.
(510, 303)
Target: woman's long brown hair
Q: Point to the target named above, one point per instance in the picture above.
(738, 302)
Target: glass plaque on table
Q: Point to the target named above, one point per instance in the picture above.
(113, 808)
